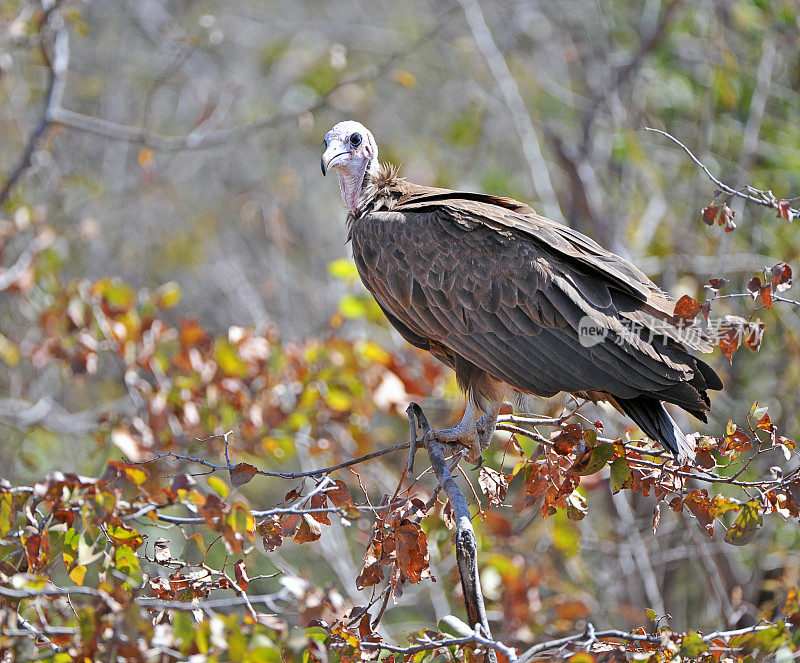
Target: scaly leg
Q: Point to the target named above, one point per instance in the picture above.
(476, 435)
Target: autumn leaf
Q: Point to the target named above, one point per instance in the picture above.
(781, 277)
(309, 530)
(494, 485)
(242, 473)
(746, 525)
(721, 215)
(716, 285)
(371, 573)
(412, 551)
(319, 501)
(755, 335)
(341, 498)
(754, 286)
(566, 439)
(594, 460)
(686, 310)
(240, 571)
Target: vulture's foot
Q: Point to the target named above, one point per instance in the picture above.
(475, 435)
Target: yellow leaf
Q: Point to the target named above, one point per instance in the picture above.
(405, 78)
(146, 158)
(78, 574)
(218, 486)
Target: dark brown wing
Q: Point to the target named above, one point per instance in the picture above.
(476, 278)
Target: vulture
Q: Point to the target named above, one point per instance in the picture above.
(513, 301)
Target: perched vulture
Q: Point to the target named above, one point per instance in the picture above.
(506, 298)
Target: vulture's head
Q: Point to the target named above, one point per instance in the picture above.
(350, 148)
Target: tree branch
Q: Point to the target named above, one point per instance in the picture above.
(55, 92)
(466, 541)
(764, 198)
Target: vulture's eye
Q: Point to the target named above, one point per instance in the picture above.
(355, 140)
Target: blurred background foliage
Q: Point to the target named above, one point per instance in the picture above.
(179, 181)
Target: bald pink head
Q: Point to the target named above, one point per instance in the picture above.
(350, 148)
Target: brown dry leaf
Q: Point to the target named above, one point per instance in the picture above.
(766, 296)
(700, 507)
(565, 440)
(494, 485)
(412, 551)
(270, 532)
(710, 214)
(755, 335)
(720, 214)
(309, 530)
(372, 573)
(319, 501)
(341, 498)
(729, 335)
(242, 473)
(289, 523)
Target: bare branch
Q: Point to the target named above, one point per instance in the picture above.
(764, 198)
(540, 177)
(55, 92)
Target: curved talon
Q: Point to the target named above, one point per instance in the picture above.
(472, 434)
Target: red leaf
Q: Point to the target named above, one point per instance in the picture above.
(686, 310)
(710, 214)
(319, 501)
(754, 286)
(720, 214)
(781, 277)
(716, 284)
(766, 296)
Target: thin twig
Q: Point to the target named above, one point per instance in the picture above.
(764, 198)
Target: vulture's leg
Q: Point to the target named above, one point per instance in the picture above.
(473, 434)
(487, 423)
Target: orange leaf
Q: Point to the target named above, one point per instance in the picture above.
(309, 530)
(412, 551)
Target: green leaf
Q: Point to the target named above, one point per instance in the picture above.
(692, 645)
(621, 476)
(652, 615)
(125, 560)
(594, 461)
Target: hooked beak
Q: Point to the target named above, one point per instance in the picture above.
(332, 156)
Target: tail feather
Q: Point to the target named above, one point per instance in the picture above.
(649, 414)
